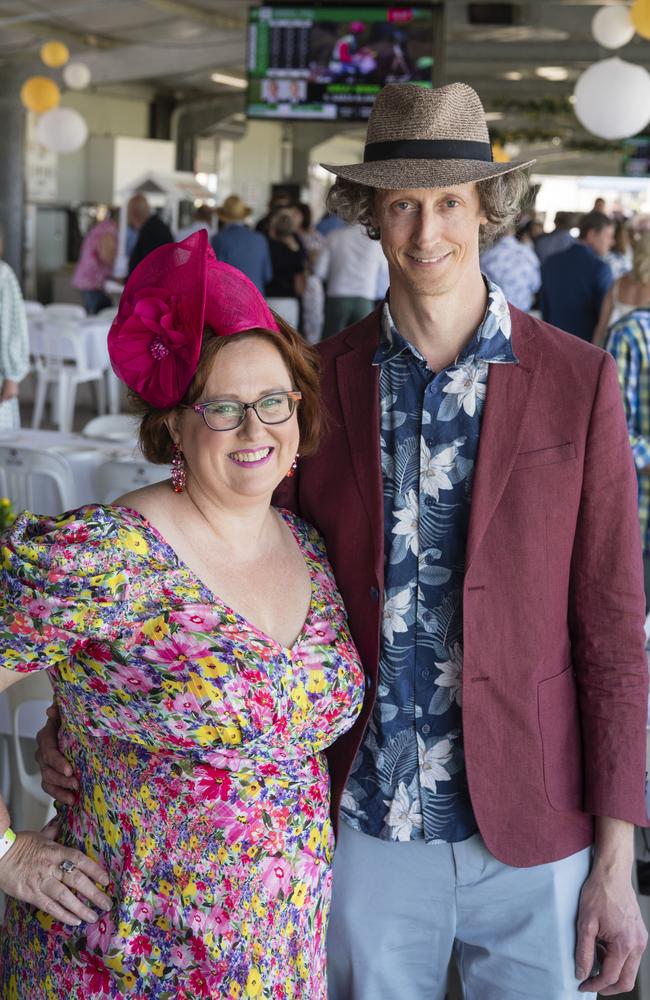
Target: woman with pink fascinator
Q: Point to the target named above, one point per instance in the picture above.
(201, 663)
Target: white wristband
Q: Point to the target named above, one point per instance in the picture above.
(7, 841)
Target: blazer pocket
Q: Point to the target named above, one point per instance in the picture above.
(559, 724)
(545, 456)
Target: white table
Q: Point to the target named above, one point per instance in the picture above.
(84, 455)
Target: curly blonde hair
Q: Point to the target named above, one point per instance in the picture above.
(501, 199)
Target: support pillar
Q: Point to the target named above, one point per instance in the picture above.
(12, 158)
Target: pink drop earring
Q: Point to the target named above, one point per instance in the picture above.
(294, 466)
(178, 469)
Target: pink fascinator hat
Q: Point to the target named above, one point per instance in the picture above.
(155, 340)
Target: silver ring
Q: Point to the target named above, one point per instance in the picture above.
(67, 866)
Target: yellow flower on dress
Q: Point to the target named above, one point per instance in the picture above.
(44, 919)
(235, 990)
(213, 667)
(134, 541)
(299, 697)
(316, 683)
(99, 801)
(206, 735)
(222, 855)
(129, 980)
(66, 673)
(314, 839)
(303, 972)
(254, 983)
(189, 892)
(13, 988)
(155, 628)
(112, 833)
(114, 962)
(299, 893)
(228, 734)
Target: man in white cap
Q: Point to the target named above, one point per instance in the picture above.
(477, 497)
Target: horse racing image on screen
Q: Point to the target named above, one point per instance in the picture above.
(330, 62)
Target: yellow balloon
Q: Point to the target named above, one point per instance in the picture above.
(55, 54)
(39, 94)
(640, 17)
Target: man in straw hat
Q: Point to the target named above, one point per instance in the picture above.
(483, 532)
(239, 246)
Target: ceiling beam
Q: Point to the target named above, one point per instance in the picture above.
(180, 8)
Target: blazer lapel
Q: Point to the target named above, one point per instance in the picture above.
(510, 390)
(358, 387)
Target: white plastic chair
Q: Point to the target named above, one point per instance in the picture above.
(33, 308)
(115, 478)
(114, 426)
(65, 311)
(20, 470)
(60, 360)
(107, 315)
(29, 717)
(28, 699)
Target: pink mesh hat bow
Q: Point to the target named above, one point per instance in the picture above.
(155, 340)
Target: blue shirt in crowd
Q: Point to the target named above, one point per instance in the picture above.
(245, 249)
(574, 284)
(514, 267)
(408, 781)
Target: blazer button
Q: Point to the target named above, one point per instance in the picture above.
(374, 594)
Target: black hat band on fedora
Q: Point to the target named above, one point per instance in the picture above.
(427, 149)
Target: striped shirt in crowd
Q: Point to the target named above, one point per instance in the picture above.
(629, 343)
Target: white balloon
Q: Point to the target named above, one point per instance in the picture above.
(612, 98)
(76, 75)
(62, 130)
(611, 27)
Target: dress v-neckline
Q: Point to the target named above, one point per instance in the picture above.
(214, 599)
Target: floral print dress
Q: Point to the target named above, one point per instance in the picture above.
(199, 745)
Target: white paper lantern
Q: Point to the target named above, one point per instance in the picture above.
(62, 130)
(76, 75)
(612, 98)
(611, 27)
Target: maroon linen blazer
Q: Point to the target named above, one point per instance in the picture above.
(555, 675)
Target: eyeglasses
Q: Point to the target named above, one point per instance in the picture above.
(227, 414)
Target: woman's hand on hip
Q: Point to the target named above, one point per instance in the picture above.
(57, 776)
(32, 872)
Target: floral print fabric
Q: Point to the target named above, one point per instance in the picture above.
(199, 743)
(408, 781)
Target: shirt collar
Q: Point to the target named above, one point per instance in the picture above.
(492, 341)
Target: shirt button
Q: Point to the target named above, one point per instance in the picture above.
(374, 594)
(426, 728)
(428, 501)
(426, 674)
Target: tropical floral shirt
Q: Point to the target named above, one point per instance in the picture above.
(408, 781)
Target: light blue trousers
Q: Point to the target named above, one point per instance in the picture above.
(400, 909)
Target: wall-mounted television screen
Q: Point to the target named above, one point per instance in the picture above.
(329, 62)
(636, 156)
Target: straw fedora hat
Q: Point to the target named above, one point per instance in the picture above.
(234, 209)
(420, 138)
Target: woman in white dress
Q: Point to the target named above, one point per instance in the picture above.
(14, 345)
